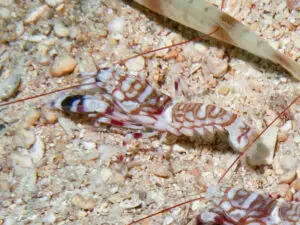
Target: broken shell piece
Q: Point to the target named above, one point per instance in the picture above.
(9, 86)
(106, 174)
(61, 30)
(262, 152)
(288, 163)
(68, 125)
(37, 151)
(31, 118)
(136, 64)
(50, 116)
(54, 3)
(217, 67)
(36, 14)
(82, 203)
(160, 170)
(21, 161)
(24, 138)
(132, 203)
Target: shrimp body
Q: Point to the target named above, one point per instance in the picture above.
(135, 104)
(196, 119)
(237, 206)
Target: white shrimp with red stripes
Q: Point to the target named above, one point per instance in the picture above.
(134, 103)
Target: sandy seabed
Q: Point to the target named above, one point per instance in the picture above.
(57, 169)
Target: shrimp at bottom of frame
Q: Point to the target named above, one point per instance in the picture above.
(230, 206)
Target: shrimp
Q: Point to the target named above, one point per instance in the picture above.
(134, 100)
(231, 206)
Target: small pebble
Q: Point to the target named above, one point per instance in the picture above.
(89, 145)
(287, 126)
(4, 186)
(50, 116)
(168, 220)
(282, 136)
(19, 29)
(31, 118)
(160, 170)
(81, 214)
(54, 3)
(36, 14)
(44, 60)
(106, 174)
(9, 86)
(224, 90)
(24, 138)
(82, 203)
(136, 64)
(33, 38)
(116, 25)
(288, 162)
(62, 65)
(20, 160)
(201, 47)
(87, 65)
(130, 203)
(49, 218)
(37, 151)
(262, 152)
(60, 8)
(68, 125)
(61, 30)
(296, 185)
(217, 67)
(288, 177)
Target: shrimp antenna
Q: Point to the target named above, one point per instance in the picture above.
(169, 46)
(45, 94)
(166, 209)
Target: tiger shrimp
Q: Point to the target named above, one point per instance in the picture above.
(135, 101)
(231, 206)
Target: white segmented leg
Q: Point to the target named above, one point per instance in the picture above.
(115, 122)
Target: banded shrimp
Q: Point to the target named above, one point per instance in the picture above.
(70, 169)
